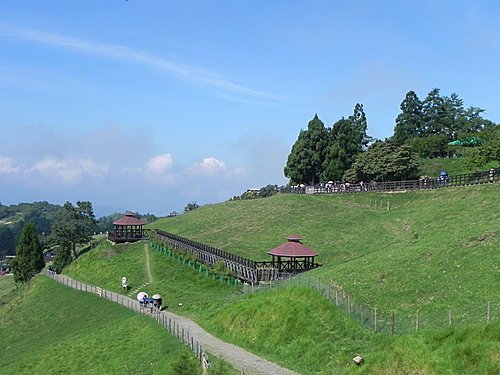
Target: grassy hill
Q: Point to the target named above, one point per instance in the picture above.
(432, 250)
(52, 329)
(431, 167)
(295, 327)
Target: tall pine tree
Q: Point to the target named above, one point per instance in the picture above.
(305, 162)
(29, 255)
(410, 121)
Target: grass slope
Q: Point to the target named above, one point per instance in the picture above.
(433, 250)
(298, 328)
(51, 328)
(431, 167)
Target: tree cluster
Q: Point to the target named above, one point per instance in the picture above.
(191, 206)
(322, 154)
(263, 192)
(15, 217)
(75, 226)
(428, 126)
(423, 128)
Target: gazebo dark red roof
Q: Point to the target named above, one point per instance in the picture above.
(293, 250)
(128, 219)
(300, 257)
(127, 229)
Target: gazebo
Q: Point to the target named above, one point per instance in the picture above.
(298, 257)
(127, 229)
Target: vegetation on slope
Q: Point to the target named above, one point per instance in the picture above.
(448, 239)
(296, 327)
(51, 328)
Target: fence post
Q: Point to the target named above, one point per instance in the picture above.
(348, 305)
(336, 297)
(449, 317)
(375, 318)
(361, 313)
(488, 313)
(416, 323)
(392, 323)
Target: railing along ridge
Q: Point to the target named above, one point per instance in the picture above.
(423, 183)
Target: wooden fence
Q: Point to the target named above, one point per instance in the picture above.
(162, 318)
(420, 184)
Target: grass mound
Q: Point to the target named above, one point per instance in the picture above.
(431, 250)
(50, 328)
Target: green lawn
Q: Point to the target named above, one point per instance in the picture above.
(433, 250)
(53, 329)
(431, 167)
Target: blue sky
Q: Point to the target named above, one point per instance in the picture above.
(148, 105)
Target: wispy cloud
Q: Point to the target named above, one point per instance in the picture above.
(130, 55)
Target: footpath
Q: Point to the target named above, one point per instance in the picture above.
(190, 333)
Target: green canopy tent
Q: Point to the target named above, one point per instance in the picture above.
(467, 142)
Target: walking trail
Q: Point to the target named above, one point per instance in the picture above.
(240, 359)
(147, 264)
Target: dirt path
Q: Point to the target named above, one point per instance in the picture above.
(239, 358)
(148, 264)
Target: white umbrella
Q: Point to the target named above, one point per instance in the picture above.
(156, 296)
(141, 296)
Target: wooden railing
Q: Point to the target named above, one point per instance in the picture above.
(420, 184)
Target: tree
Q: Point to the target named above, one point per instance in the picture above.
(29, 255)
(384, 161)
(74, 227)
(305, 162)
(346, 143)
(359, 121)
(409, 123)
(191, 206)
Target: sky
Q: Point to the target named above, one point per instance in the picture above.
(148, 105)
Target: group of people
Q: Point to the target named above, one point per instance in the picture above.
(152, 303)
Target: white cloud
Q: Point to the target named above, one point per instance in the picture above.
(123, 53)
(160, 164)
(69, 171)
(208, 167)
(8, 165)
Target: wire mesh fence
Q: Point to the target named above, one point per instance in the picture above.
(167, 322)
(381, 321)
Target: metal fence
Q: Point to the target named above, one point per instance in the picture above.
(392, 322)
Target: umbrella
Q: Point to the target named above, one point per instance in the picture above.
(156, 296)
(141, 296)
(330, 182)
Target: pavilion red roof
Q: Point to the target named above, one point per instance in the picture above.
(293, 249)
(128, 219)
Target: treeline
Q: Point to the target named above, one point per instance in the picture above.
(438, 126)
(14, 217)
(45, 216)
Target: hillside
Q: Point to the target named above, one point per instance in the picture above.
(50, 328)
(294, 327)
(448, 239)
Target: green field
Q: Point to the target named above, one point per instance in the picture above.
(431, 167)
(434, 251)
(448, 239)
(53, 329)
(298, 328)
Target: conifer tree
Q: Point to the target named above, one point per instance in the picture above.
(305, 162)
(29, 255)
